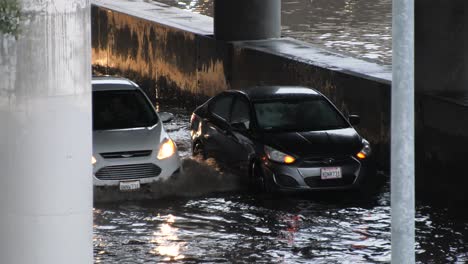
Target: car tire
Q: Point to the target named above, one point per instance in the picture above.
(199, 150)
(258, 181)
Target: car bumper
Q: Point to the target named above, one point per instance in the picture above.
(110, 172)
(305, 178)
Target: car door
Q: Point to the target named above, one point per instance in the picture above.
(238, 146)
(217, 126)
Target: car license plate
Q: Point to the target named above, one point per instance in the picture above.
(129, 186)
(330, 173)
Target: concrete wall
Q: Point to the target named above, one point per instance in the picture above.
(441, 146)
(441, 37)
(441, 71)
(170, 63)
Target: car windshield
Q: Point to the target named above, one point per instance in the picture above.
(121, 109)
(306, 114)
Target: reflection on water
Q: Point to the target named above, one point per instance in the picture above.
(168, 245)
(360, 27)
(333, 227)
(241, 228)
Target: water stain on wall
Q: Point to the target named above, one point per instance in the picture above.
(169, 57)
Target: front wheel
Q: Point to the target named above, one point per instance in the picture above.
(199, 150)
(259, 182)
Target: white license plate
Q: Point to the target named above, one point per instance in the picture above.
(330, 173)
(129, 186)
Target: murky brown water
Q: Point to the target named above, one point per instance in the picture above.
(194, 220)
(359, 27)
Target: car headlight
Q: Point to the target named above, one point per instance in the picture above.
(93, 160)
(167, 149)
(365, 151)
(278, 156)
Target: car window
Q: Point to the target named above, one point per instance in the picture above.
(122, 109)
(221, 107)
(298, 115)
(241, 112)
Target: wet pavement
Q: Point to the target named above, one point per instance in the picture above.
(203, 216)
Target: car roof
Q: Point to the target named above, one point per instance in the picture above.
(259, 93)
(107, 83)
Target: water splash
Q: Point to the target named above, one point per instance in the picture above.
(196, 178)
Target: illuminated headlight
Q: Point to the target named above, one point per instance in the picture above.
(278, 156)
(93, 160)
(365, 151)
(167, 149)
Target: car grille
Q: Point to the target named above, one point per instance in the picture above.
(128, 172)
(126, 154)
(286, 181)
(327, 161)
(318, 182)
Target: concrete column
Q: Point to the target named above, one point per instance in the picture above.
(45, 133)
(247, 19)
(402, 133)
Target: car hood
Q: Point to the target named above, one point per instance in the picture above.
(126, 139)
(316, 143)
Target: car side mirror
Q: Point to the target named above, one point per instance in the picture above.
(239, 127)
(354, 120)
(166, 117)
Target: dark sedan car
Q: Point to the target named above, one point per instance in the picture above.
(283, 138)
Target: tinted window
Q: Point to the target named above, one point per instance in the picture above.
(298, 115)
(121, 109)
(241, 112)
(221, 107)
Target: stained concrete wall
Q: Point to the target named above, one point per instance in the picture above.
(170, 63)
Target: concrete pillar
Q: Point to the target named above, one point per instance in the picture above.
(45, 134)
(441, 38)
(402, 133)
(247, 19)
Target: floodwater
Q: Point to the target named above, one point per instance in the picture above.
(203, 216)
(358, 27)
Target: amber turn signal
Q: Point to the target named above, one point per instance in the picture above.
(288, 159)
(361, 155)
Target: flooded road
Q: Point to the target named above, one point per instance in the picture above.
(202, 216)
(359, 27)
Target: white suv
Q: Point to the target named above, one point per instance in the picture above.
(130, 145)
